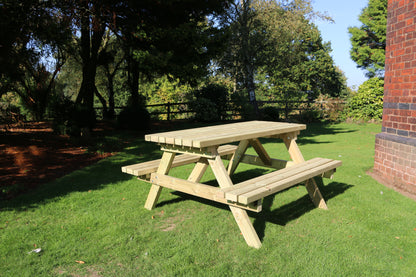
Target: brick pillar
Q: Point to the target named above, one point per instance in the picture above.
(395, 149)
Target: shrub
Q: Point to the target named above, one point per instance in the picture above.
(216, 94)
(205, 110)
(310, 116)
(330, 109)
(241, 107)
(270, 113)
(367, 103)
(134, 118)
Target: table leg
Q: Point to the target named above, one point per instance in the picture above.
(264, 157)
(199, 170)
(240, 215)
(237, 156)
(297, 157)
(155, 190)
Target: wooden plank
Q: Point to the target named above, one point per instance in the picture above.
(221, 134)
(155, 190)
(274, 163)
(282, 184)
(151, 166)
(244, 134)
(197, 189)
(258, 182)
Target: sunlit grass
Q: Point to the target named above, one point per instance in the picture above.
(92, 222)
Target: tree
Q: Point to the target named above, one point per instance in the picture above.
(302, 66)
(92, 18)
(35, 39)
(241, 58)
(167, 37)
(369, 40)
(274, 46)
(111, 60)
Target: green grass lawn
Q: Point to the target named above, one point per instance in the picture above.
(92, 222)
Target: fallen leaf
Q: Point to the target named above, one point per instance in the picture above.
(397, 237)
(80, 262)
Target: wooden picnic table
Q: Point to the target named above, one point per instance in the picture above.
(208, 146)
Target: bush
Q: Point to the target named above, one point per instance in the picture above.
(71, 119)
(241, 107)
(216, 94)
(270, 113)
(330, 109)
(310, 116)
(367, 103)
(205, 110)
(134, 118)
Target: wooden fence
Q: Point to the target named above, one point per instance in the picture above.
(181, 110)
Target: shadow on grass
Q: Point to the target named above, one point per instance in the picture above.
(314, 130)
(93, 177)
(293, 210)
(280, 216)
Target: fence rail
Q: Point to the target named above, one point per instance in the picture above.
(181, 110)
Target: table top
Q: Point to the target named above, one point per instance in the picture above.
(225, 133)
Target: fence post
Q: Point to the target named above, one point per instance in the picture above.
(168, 111)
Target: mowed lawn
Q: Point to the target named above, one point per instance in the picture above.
(92, 221)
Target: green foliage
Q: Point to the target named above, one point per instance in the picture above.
(369, 40)
(275, 48)
(367, 103)
(133, 118)
(240, 106)
(29, 30)
(205, 110)
(10, 111)
(210, 103)
(217, 94)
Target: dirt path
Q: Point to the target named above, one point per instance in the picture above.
(33, 155)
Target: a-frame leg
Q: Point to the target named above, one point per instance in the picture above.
(199, 170)
(155, 190)
(297, 157)
(237, 156)
(240, 215)
(258, 147)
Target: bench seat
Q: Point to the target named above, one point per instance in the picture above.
(257, 188)
(146, 168)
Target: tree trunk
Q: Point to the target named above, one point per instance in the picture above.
(247, 55)
(111, 113)
(133, 80)
(92, 32)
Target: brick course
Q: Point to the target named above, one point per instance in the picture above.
(395, 150)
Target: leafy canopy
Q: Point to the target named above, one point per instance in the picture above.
(369, 40)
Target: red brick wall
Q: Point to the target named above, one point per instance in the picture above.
(395, 154)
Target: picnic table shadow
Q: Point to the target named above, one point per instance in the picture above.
(281, 215)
